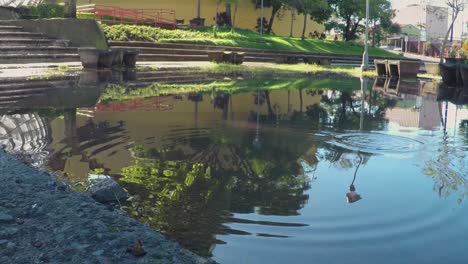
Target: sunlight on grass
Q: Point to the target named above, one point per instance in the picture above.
(237, 38)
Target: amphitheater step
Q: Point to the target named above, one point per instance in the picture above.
(37, 50)
(33, 42)
(20, 35)
(5, 28)
(38, 58)
(172, 57)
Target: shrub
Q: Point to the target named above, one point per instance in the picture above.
(48, 10)
(145, 33)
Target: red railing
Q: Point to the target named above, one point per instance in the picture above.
(164, 18)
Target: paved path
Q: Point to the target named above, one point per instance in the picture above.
(40, 69)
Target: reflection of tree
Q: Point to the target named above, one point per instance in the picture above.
(442, 168)
(182, 200)
(79, 141)
(221, 101)
(188, 200)
(341, 110)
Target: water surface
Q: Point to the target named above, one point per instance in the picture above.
(262, 176)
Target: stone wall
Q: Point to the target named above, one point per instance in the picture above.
(80, 32)
(7, 14)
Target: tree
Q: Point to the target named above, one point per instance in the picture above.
(275, 5)
(318, 10)
(228, 6)
(381, 15)
(456, 6)
(71, 9)
(350, 14)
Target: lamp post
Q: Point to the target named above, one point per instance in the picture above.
(365, 56)
(198, 8)
(261, 17)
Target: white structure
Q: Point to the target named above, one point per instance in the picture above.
(16, 3)
(434, 19)
(25, 134)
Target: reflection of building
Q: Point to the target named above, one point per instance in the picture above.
(425, 113)
(25, 134)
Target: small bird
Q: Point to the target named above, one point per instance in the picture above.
(137, 250)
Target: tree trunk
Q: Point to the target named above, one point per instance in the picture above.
(305, 26)
(444, 44)
(347, 29)
(272, 19)
(71, 9)
(373, 35)
(234, 17)
(301, 101)
(271, 113)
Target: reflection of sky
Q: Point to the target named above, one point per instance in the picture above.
(399, 213)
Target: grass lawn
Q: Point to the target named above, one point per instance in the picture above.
(306, 77)
(289, 70)
(116, 92)
(237, 38)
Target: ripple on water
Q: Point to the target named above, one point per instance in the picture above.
(376, 143)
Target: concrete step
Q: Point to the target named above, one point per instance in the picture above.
(164, 73)
(39, 81)
(173, 77)
(191, 79)
(259, 52)
(198, 47)
(33, 42)
(37, 50)
(32, 85)
(11, 94)
(259, 59)
(37, 58)
(21, 35)
(172, 57)
(6, 28)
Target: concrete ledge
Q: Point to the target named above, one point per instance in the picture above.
(7, 13)
(80, 32)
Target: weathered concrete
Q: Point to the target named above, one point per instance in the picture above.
(80, 32)
(44, 222)
(7, 14)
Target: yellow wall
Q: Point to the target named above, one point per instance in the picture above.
(246, 15)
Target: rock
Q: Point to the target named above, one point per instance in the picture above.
(98, 253)
(11, 245)
(108, 190)
(8, 232)
(6, 218)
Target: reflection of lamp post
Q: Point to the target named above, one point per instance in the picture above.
(256, 141)
(365, 56)
(261, 18)
(363, 99)
(352, 196)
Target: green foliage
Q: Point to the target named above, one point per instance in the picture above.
(145, 33)
(237, 38)
(351, 15)
(318, 10)
(48, 10)
(85, 15)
